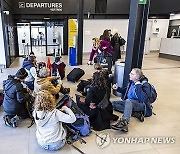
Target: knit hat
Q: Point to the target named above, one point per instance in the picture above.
(43, 72)
(57, 59)
(21, 73)
(31, 53)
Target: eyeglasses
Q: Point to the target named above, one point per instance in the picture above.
(131, 73)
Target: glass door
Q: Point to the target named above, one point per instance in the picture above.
(38, 38)
(54, 38)
(43, 38)
(24, 43)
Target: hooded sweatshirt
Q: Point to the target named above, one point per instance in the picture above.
(31, 70)
(45, 84)
(49, 125)
(60, 66)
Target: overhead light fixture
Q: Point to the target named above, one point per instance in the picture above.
(6, 12)
(46, 18)
(153, 17)
(172, 14)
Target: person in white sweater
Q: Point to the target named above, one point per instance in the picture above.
(50, 133)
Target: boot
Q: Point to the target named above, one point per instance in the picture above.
(122, 125)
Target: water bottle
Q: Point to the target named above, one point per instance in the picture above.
(58, 75)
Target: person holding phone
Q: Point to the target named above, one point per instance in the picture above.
(135, 99)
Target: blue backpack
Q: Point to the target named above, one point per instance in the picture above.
(152, 95)
(82, 124)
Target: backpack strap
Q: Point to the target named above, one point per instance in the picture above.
(104, 103)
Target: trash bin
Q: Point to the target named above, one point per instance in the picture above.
(118, 76)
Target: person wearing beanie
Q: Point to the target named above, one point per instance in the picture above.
(58, 67)
(15, 97)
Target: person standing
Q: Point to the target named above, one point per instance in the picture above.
(115, 42)
(94, 50)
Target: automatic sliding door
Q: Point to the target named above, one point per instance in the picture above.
(38, 38)
(54, 38)
(23, 30)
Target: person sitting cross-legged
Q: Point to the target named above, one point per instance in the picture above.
(135, 99)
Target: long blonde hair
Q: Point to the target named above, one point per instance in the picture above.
(97, 41)
(44, 101)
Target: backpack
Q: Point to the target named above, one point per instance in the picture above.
(122, 41)
(152, 95)
(82, 86)
(82, 124)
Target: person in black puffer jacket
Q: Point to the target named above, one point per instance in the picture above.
(15, 97)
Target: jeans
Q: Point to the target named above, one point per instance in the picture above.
(127, 106)
(54, 146)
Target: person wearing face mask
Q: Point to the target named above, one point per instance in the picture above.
(135, 99)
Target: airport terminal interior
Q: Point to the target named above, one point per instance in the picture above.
(27, 26)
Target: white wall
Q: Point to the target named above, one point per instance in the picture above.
(155, 38)
(2, 49)
(95, 28)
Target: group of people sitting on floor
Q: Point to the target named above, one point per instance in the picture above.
(34, 80)
(50, 132)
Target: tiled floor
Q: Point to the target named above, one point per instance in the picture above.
(163, 73)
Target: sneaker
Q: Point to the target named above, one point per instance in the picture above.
(89, 63)
(7, 121)
(122, 125)
(14, 122)
(138, 115)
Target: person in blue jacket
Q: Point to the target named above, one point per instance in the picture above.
(30, 67)
(15, 97)
(135, 99)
